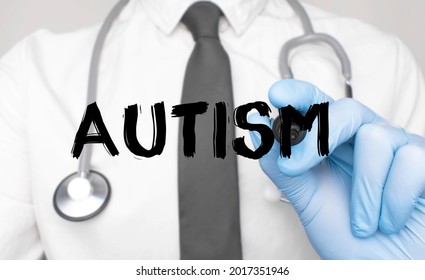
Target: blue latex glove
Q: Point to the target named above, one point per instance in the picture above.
(364, 201)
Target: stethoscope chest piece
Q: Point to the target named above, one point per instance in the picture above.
(81, 198)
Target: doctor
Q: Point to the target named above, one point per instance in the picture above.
(363, 201)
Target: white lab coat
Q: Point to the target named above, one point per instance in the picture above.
(43, 82)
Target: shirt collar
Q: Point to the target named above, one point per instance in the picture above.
(166, 14)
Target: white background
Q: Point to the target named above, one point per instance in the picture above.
(330, 270)
(405, 18)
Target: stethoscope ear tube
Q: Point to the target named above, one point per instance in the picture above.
(78, 199)
(84, 194)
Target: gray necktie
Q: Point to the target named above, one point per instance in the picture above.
(208, 186)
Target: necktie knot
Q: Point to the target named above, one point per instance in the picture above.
(202, 20)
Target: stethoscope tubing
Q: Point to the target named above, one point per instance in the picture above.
(62, 198)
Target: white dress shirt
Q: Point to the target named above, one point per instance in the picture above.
(43, 82)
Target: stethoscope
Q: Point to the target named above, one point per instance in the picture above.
(85, 193)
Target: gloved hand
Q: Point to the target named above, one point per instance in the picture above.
(365, 200)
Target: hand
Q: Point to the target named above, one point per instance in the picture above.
(364, 201)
